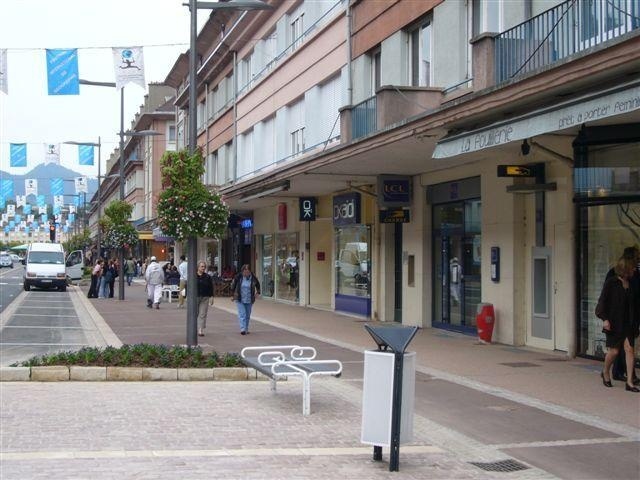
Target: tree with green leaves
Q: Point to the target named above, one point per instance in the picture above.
(186, 207)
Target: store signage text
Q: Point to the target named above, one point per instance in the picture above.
(346, 209)
(394, 191)
(307, 209)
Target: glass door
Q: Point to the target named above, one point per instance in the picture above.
(457, 242)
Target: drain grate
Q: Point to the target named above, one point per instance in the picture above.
(553, 359)
(519, 364)
(501, 466)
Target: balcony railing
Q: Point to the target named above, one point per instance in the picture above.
(568, 28)
(364, 118)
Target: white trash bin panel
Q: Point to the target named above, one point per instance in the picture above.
(377, 397)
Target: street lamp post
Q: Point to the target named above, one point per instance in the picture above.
(99, 206)
(192, 242)
(122, 134)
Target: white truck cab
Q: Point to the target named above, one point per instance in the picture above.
(47, 267)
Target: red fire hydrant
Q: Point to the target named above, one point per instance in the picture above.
(484, 321)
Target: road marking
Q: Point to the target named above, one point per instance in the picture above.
(39, 326)
(236, 452)
(42, 344)
(563, 443)
(46, 308)
(40, 315)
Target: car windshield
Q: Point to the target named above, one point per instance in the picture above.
(56, 258)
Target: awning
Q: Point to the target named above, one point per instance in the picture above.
(159, 236)
(572, 113)
(145, 236)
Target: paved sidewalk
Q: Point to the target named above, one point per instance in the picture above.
(474, 404)
(534, 377)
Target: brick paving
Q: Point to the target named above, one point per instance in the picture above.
(471, 406)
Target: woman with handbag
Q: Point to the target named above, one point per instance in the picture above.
(617, 309)
(245, 287)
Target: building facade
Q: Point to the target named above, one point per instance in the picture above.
(448, 153)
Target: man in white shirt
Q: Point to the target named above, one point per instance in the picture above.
(154, 277)
(182, 269)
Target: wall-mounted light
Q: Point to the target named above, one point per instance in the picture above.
(525, 148)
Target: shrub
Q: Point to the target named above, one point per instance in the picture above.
(138, 355)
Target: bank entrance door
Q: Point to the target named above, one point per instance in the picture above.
(457, 246)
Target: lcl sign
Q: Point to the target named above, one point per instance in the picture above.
(307, 209)
(346, 209)
(394, 191)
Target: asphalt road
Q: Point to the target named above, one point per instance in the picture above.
(38, 322)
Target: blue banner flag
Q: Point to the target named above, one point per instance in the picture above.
(57, 186)
(12, 223)
(41, 200)
(72, 217)
(65, 229)
(18, 218)
(56, 210)
(3, 203)
(85, 154)
(7, 229)
(76, 201)
(44, 218)
(18, 155)
(26, 209)
(62, 72)
(6, 189)
(27, 230)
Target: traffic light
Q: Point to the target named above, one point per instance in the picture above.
(52, 232)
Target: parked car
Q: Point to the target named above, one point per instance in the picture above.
(15, 257)
(6, 260)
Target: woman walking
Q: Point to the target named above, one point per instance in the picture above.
(245, 287)
(616, 308)
(205, 293)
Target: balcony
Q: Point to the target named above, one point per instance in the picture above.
(560, 32)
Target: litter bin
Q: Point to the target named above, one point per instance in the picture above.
(485, 319)
(388, 391)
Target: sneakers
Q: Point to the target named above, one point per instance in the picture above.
(200, 333)
(157, 306)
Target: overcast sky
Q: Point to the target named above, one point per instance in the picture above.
(28, 27)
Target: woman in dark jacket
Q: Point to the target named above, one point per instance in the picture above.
(245, 287)
(205, 292)
(616, 308)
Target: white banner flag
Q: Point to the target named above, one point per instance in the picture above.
(21, 200)
(11, 210)
(52, 153)
(128, 63)
(42, 210)
(30, 218)
(31, 186)
(81, 184)
(58, 200)
(23, 224)
(72, 209)
(4, 81)
(5, 218)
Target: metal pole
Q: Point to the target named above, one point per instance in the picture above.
(396, 410)
(192, 242)
(99, 253)
(121, 256)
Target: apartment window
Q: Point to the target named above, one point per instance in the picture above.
(270, 50)
(486, 16)
(421, 54)
(296, 127)
(376, 62)
(171, 137)
(201, 114)
(245, 153)
(267, 146)
(330, 103)
(211, 103)
(210, 169)
(296, 27)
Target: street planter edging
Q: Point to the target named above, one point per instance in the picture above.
(63, 373)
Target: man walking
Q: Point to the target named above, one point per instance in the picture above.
(154, 277)
(182, 269)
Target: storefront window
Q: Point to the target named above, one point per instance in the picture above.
(266, 281)
(287, 267)
(353, 261)
(607, 189)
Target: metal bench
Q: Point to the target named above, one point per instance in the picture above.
(281, 361)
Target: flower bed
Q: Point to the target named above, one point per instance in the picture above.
(138, 355)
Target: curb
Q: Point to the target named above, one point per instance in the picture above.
(64, 373)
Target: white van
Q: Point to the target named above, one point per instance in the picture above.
(47, 267)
